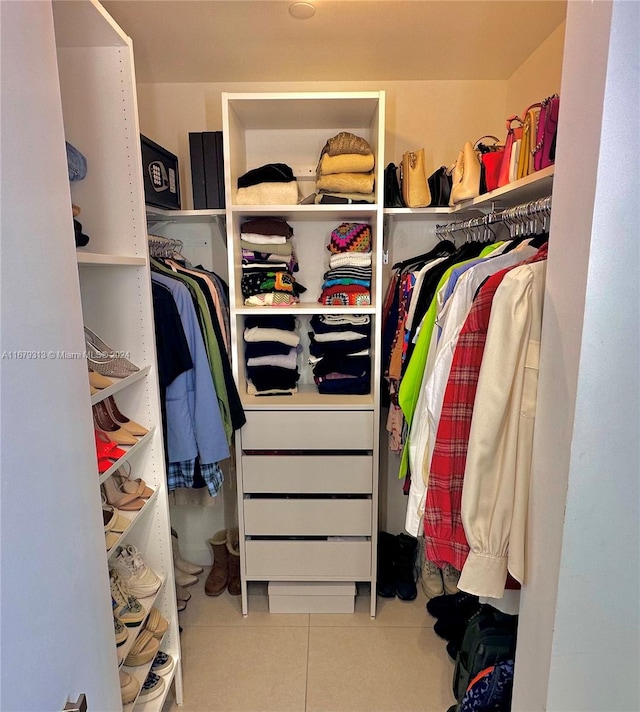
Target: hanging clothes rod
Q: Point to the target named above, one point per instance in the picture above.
(160, 246)
(527, 218)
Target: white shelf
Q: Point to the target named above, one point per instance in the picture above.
(133, 517)
(308, 212)
(147, 603)
(307, 397)
(183, 216)
(303, 308)
(98, 260)
(304, 110)
(131, 450)
(537, 185)
(119, 384)
(157, 704)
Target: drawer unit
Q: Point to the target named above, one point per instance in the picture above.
(311, 559)
(311, 597)
(315, 474)
(307, 517)
(308, 430)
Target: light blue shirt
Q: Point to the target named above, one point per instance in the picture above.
(194, 424)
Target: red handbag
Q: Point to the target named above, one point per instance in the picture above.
(514, 133)
(491, 157)
(545, 149)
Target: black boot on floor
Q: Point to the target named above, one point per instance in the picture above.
(406, 550)
(386, 584)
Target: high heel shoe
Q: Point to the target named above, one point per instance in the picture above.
(98, 381)
(105, 448)
(112, 430)
(119, 499)
(121, 420)
(132, 486)
(103, 359)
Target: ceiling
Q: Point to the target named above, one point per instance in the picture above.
(346, 40)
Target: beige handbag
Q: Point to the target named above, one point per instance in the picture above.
(415, 189)
(466, 176)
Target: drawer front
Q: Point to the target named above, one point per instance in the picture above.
(308, 473)
(312, 559)
(307, 517)
(308, 430)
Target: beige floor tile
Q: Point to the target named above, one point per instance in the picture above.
(389, 612)
(226, 610)
(383, 669)
(243, 670)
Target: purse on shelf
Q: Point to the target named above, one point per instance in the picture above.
(544, 152)
(491, 155)
(392, 193)
(529, 134)
(105, 360)
(415, 189)
(511, 151)
(466, 176)
(440, 187)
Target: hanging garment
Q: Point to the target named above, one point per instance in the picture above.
(466, 280)
(445, 538)
(194, 423)
(496, 484)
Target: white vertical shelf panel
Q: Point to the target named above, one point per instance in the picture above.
(293, 128)
(97, 84)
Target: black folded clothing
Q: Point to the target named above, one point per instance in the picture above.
(265, 348)
(284, 322)
(357, 386)
(350, 365)
(269, 173)
(267, 226)
(266, 378)
(320, 326)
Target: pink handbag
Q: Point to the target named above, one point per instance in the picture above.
(514, 133)
(544, 153)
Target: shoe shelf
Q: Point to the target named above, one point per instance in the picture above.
(140, 673)
(157, 704)
(131, 450)
(133, 517)
(119, 384)
(148, 603)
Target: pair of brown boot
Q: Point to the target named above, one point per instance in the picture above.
(225, 572)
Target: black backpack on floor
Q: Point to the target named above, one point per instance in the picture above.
(489, 638)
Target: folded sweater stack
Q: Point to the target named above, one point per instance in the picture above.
(348, 280)
(271, 354)
(268, 263)
(340, 353)
(345, 171)
(271, 184)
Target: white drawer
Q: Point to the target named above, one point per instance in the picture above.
(307, 559)
(307, 517)
(308, 430)
(307, 473)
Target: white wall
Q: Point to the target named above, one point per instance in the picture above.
(580, 608)
(539, 76)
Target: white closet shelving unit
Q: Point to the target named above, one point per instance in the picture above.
(307, 504)
(97, 86)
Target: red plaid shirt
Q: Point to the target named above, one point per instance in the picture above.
(445, 539)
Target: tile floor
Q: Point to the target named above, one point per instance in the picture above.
(311, 662)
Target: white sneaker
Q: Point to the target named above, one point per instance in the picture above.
(139, 579)
(431, 579)
(450, 578)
